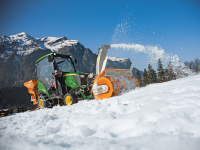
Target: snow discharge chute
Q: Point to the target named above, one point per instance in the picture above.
(109, 82)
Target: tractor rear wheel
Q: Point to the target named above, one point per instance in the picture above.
(42, 101)
(70, 99)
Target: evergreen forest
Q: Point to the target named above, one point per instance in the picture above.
(163, 75)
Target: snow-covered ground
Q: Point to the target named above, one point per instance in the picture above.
(162, 116)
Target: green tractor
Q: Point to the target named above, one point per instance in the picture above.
(58, 82)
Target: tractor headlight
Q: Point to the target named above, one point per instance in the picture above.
(82, 76)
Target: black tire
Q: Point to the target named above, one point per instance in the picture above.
(70, 99)
(42, 101)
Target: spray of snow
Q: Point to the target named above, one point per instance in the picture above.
(155, 53)
(128, 31)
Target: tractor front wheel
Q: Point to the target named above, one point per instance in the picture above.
(70, 99)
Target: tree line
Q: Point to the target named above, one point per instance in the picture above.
(150, 76)
(193, 65)
(163, 75)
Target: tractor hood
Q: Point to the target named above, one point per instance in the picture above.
(75, 79)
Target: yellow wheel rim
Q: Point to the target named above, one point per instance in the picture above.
(68, 100)
(41, 103)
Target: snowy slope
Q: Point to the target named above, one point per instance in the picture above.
(163, 116)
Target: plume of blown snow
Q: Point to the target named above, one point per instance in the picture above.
(155, 53)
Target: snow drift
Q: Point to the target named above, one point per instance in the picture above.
(163, 116)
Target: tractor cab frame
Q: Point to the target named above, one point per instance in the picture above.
(50, 70)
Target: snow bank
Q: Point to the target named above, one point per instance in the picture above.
(162, 116)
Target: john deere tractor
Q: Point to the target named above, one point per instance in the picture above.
(58, 82)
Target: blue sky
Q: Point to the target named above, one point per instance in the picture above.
(174, 25)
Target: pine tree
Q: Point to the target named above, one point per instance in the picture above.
(169, 73)
(151, 75)
(166, 75)
(145, 78)
(196, 65)
(154, 76)
(138, 76)
(191, 65)
(161, 71)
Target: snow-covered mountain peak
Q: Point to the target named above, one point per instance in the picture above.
(55, 43)
(118, 59)
(22, 35)
(118, 63)
(26, 44)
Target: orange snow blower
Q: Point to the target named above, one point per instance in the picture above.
(109, 82)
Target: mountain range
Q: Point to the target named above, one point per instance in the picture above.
(18, 54)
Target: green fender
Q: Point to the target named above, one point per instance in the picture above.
(42, 88)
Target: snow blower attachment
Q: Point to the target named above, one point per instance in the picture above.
(109, 82)
(58, 82)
